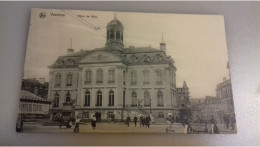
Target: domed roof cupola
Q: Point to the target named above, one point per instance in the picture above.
(115, 34)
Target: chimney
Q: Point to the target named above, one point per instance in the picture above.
(42, 80)
(70, 51)
(163, 47)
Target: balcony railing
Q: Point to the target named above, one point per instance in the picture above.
(133, 83)
(146, 83)
(87, 82)
(160, 105)
(147, 105)
(159, 83)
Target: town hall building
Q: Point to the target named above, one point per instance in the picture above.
(115, 80)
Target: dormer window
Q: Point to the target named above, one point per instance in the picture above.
(146, 58)
(133, 58)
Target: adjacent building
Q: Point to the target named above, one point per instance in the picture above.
(182, 96)
(36, 86)
(215, 106)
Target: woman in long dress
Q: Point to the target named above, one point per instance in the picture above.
(76, 129)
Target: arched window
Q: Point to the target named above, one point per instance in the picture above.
(87, 98)
(99, 98)
(111, 98)
(134, 99)
(56, 100)
(133, 78)
(58, 79)
(68, 97)
(159, 99)
(147, 100)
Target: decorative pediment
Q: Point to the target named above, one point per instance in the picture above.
(100, 57)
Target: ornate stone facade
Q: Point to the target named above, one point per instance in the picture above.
(115, 80)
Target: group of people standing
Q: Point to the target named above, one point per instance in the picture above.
(144, 120)
(230, 121)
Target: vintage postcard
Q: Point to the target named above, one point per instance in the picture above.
(119, 72)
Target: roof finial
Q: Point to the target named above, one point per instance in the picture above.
(115, 15)
(70, 42)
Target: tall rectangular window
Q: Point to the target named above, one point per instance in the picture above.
(111, 76)
(69, 79)
(88, 77)
(57, 79)
(159, 99)
(133, 78)
(146, 77)
(159, 77)
(99, 78)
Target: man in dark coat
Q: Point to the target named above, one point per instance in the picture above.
(147, 121)
(141, 120)
(226, 120)
(128, 120)
(135, 120)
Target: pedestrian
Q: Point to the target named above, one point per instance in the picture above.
(61, 120)
(128, 120)
(113, 118)
(216, 130)
(141, 120)
(226, 119)
(169, 123)
(232, 121)
(93, 122)
(135, 120)
(147, 121)
(76, 129)
(212, 124)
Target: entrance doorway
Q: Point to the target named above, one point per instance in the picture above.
(98, 116)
